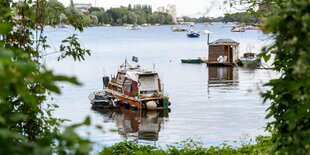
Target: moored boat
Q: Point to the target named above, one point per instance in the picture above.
(137, 88)
(133, 27)
(237, 29)
(177, 29)
(193, 34)
(250, 60)
(193, 61)
(101, 99)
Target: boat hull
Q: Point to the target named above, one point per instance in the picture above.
(193, 61)
(250, 63)
(193, 35)
(121, 99)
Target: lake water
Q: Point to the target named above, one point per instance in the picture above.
(208, 104)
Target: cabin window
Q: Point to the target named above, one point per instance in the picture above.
(130, 87)
(120, 78)
(117, 88)
(127, 85)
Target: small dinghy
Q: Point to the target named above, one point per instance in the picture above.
(102, 99)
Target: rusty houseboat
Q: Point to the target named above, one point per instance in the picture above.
(137, 88)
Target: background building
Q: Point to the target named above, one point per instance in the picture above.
(82, 6)
(171, 10)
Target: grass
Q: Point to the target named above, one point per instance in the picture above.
(262, 146)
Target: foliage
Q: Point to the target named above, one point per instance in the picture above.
(190, 147)
(228, 17)
(54, 10)
(290, 93)
(202, 19)
(26, 123)
(128, 147)
(242, 17)
(139, 14)
(289, 22)
(73, 48)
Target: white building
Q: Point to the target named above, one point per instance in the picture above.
(170, 9)
(82, 6)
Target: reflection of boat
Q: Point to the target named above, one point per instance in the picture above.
(137, 88)
(144, 125)
(193, 34)
(219, 76)
(237, 29)
(250, 60)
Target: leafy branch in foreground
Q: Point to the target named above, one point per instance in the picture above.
(26, 122)
(71, 47)
(289, 22)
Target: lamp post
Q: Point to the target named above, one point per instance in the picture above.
(207, 32)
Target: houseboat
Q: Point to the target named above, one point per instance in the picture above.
(136, 88)
(223, 52)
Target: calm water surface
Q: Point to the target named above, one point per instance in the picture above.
(209, 104)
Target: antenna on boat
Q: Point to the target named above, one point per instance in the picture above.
(154, 67)
(125, 62)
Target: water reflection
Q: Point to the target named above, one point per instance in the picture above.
(222, 76)
(143, 125)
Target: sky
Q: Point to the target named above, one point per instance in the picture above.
(192, 8)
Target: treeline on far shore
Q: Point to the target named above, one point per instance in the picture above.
(240, 17)
(136, 14)
(58, 14)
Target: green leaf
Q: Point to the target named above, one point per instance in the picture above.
(266, 57)
(5, 28)
(87, 121)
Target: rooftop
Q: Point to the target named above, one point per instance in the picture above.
(224, 42)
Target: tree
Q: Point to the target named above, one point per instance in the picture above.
(26, 126)
(54, 9)
(129, 7)
(71, 3)
(289, 22)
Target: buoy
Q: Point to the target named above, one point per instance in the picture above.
(151, 105)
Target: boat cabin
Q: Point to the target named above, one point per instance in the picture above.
(141, 83)
(223, 52)
(137, 83)
(249, 55)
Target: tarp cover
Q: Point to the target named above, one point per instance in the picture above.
(133, 75)
(148, 83)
